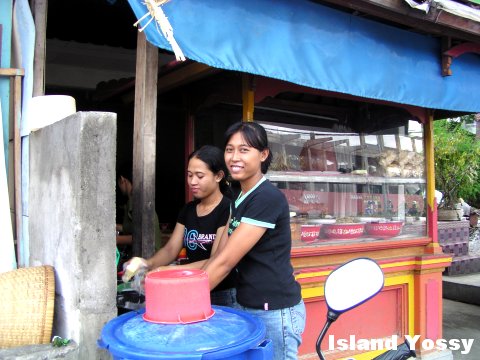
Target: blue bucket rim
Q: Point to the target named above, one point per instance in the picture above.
(125, 351)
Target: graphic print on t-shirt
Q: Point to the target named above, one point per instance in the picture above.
(233, 225)
(192, 239)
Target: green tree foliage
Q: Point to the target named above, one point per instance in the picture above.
(457, 162)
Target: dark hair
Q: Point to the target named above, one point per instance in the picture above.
(125, 170)
(212, 156)
(255, 136)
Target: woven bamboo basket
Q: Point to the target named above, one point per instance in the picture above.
(28, 296)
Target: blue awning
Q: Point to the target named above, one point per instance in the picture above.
(319, 47)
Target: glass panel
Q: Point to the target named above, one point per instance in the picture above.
(348, 186)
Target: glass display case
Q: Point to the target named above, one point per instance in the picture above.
(348, 186)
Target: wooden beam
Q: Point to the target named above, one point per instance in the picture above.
(464, 48)
(335, 112)
(178, 77)
(248, 96)
(16, 88)
(189, 147)
(432, 230)
(11, 72)
(184, 75)
(446, 44)
(17, 161)
(39, 10)
(144, 148)
(436, 22)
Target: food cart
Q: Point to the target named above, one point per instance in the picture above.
(348, 104)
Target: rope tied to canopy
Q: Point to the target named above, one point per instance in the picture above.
(161, 21)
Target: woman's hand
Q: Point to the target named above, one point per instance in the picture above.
(195, 265)
(132, 267)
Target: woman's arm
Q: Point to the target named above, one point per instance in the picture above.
(231, 251)
(124, 239)
(195, 265)
(170, 251)
(220, 238)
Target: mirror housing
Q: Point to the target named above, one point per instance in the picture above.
(352, 284)
(348, 286)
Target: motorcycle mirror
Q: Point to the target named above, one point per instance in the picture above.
(348, 286)
(352, 284)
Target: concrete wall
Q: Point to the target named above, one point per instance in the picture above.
(72, 222)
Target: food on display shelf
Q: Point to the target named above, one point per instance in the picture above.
(347, 220)
(402, 163)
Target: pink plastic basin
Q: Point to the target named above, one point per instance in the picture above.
(177, 297)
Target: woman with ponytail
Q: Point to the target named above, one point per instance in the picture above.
(201, 222)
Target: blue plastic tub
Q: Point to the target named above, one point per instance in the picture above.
(229, 334)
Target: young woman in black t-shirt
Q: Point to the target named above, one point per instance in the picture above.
(201, 222)
(259, 243)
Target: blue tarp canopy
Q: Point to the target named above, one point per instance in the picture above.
(319, 47)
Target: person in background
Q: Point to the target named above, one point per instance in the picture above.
(466, 208)
(470, 213)
(125, 229)
(259, 243)
(202, 222)
(438, 196)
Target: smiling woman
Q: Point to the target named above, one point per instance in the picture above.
(259, 243)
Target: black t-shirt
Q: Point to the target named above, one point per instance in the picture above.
(200, 232)
(265, 274)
